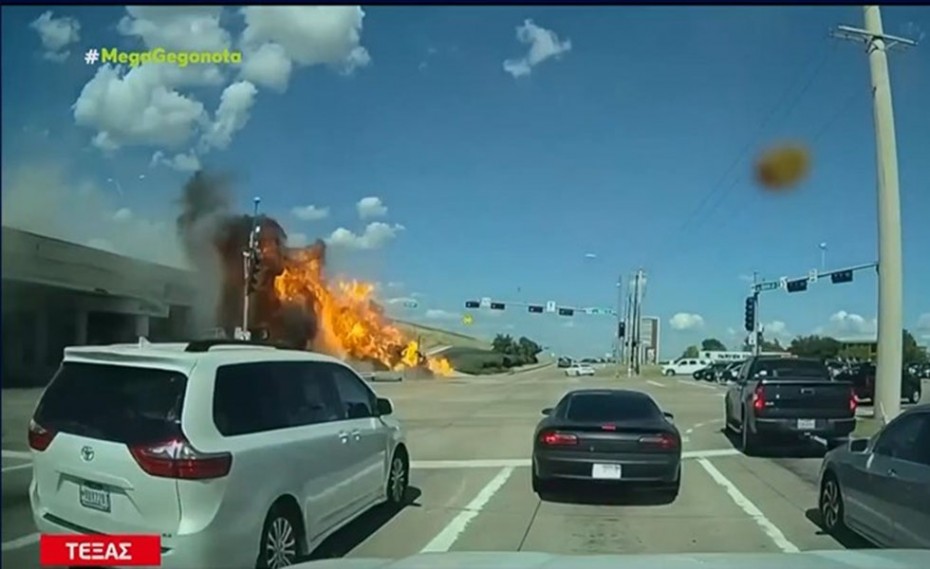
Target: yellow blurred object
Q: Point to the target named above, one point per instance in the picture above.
(783, 167)
(467, 319)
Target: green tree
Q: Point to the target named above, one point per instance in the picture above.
(528, 349)
(690, 352)
(503, 344)
(713, 345)
(913, 354)
(815, 346)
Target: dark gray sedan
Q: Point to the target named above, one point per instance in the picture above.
(879, 488)
(615, 437)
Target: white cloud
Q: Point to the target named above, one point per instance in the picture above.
(231, 116)
(43, 198)
(136, 109)
(56, 34)
(437, 314)
(923, 322)
(686, 321)
(543, 44)
(279, 37)
(182, 162)
(371, 206)
(777, 329)
(310, 212)
(851, 326)
(268, 66)
(375, 235)
(395, 284)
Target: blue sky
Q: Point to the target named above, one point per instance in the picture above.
(502, 145)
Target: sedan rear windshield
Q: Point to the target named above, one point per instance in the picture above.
(117, 403)
(607, 408)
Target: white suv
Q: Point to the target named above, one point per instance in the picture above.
(237, 455)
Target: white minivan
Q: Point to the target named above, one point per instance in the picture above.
(685, 366)
(236, 454)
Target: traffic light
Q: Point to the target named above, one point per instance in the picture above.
(566, 312)
(472, 304)
(621, 330)
(535, 309)
(750, 316)
(255, 267)
(497, 306)
(799, 285)
(841, 277)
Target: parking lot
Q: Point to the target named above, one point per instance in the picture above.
(470, 440)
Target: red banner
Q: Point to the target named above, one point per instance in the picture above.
(99, 550)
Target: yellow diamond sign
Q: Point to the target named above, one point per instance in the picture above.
(467, 319)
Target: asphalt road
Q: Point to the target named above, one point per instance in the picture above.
(470, 441)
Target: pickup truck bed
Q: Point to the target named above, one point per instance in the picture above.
(804, 407)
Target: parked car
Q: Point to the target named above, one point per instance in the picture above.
(879, 488)
(224, 448)
(711, 372)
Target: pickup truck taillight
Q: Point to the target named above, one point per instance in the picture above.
(758, 398)
(853, 400)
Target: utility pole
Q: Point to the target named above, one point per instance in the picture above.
(890, 287)
(248, 265)
(630, 328)
(618, 345)
(756, 334)
(637, 321)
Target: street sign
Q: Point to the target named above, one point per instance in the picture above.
(485, 302)
(550, 306)
(812, 276)
(783, 282)
(589, 310)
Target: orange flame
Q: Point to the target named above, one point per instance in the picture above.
(350, 324)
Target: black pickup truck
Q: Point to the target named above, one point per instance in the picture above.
(775, 398)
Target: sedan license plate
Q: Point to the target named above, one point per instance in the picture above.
(606, 471)
(807, 424)
(95, 497)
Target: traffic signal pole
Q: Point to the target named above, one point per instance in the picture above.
(248, 258)
(890, 287)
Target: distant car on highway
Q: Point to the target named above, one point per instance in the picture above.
(684, 366)
(711, 372)
(774, 398)
(234, 453)
(614, 436)
(579, 370)
(879, 488)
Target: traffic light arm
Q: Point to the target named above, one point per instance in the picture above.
(471, 304)
(836, 276)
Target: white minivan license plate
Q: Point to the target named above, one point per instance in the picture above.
(807, 424)
(606, 471)
(95, 497)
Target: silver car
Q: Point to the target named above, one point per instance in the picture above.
(879, 488)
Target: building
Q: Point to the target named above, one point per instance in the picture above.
(57, 294)
(649, 339)
(859, 349)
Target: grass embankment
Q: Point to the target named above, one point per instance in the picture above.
(476, 361)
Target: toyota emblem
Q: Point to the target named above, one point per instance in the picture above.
(87, 453)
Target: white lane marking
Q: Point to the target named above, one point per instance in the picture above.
(525, 462)
(656, 383)
(21, 542)
(16, 467)
(16, 454)
(446, 538)
(697, 383)
(751, 510)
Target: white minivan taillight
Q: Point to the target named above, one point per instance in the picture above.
(176, 458)
(39, 437)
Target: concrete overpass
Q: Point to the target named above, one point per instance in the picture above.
(57, 293)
